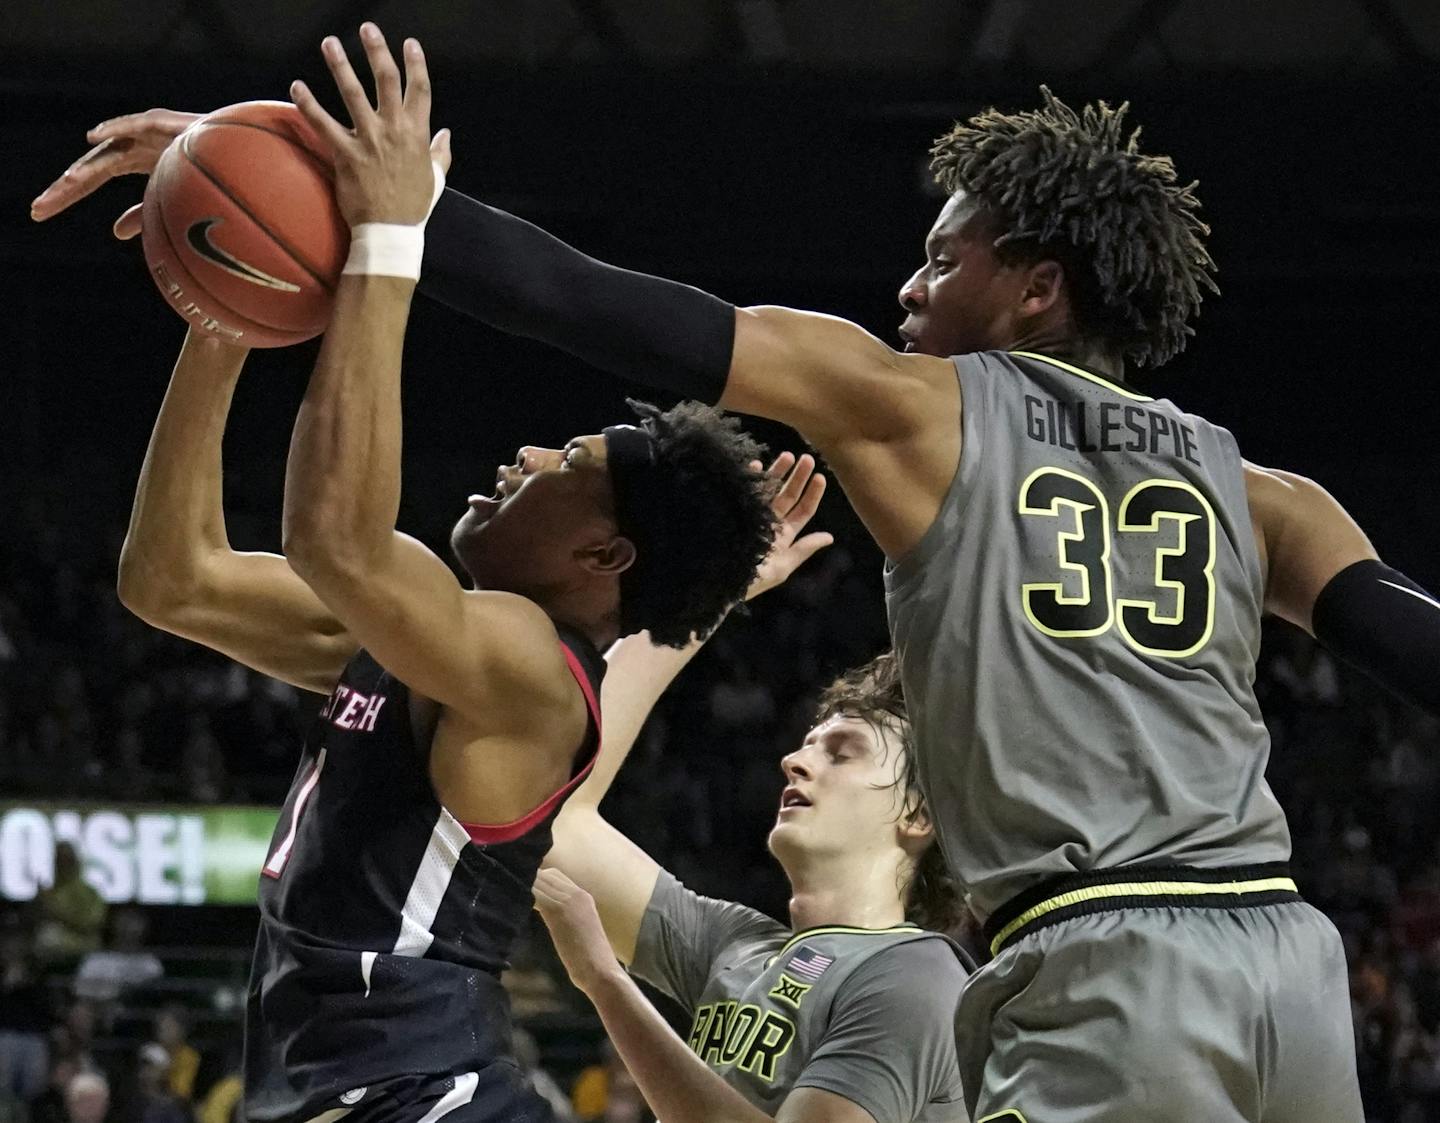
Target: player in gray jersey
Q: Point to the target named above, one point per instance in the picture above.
(1075, 590)
(844, 1016)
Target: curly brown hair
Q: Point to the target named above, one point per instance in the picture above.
(873, 693)
(1075, 188)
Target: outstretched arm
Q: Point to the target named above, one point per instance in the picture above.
(827, 377)
(889, 423)
(1323, 575)
(617, 873)
(178, 570)
(820, 374)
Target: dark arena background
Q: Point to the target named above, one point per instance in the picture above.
(770, 151)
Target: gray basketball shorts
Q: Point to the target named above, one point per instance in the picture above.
(1168, 1013)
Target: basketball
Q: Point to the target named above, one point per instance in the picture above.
(240, 227)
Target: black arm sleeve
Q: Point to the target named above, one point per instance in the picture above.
(514, 276)
(1382, 623)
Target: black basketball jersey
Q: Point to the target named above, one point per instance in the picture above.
(384, 921)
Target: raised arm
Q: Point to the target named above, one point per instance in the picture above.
(1323, 575)
(491, 658)
(178, 571)
(588, 849)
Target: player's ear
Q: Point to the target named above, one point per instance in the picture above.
(611, 557)
(1044, 286)
(916, 826)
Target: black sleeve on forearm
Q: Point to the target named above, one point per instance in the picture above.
(1382, 623)
(515, 277)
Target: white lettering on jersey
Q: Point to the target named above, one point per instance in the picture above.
(372, 711)
(359, 712)
(352, 708)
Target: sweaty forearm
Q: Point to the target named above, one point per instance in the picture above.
(342, 479)
(514, 276)
(178, 516)
(675, 1082)
(1386, 626)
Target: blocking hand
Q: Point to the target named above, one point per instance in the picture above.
(128, 145)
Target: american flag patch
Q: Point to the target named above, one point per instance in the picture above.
(809, 963)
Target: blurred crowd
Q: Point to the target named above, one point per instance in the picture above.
(94, 705)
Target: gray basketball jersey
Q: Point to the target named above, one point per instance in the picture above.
(1077, 634)
(868, 1015)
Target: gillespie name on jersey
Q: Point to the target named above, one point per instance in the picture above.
(1107, 427)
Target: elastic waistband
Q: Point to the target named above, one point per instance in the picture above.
(1079, 894)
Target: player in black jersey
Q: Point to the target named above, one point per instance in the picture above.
(457, 719)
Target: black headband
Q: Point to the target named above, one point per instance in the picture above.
(629, 445)
(629, 453)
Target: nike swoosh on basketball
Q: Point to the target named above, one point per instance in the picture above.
(198, 235)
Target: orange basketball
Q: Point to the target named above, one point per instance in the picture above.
(240, 227)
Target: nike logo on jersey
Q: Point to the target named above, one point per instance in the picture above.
(198, 235)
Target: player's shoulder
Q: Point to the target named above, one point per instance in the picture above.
(733, 928)
(927, 954)
(529, 668)
(906, 961)
(1278, 497)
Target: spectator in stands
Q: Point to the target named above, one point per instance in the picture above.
(155, 1103)
(624, 1103)
(606, 1092)
(130, 778)
(71, 915)
(87, 1098)
(73, 1037)
(49, 1106)
(1425, 987)
(223, 1099)
(172, 1031)
(25, 1017)
(740, 702)
(202, 765)
(105, 975)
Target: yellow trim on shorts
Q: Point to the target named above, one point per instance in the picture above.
(1008, 1113)
(1095, 378)
(1139, 889)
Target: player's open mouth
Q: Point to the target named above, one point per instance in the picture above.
(489, 504)
(791, 798)
(908, 340)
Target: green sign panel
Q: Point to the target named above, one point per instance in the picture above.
(156, 854)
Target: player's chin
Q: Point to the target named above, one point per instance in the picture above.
(785, 836)
(467, 541)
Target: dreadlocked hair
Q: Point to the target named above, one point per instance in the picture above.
(1073, 187)
(873, 693)
(702, 523)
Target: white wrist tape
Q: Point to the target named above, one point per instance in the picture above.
(391, 249)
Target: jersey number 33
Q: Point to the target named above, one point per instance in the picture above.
(1172, 615)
